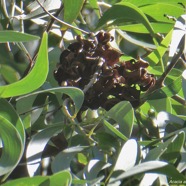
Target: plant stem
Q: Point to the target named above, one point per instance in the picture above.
(60, 21)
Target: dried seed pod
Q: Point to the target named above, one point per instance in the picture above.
(114, 82)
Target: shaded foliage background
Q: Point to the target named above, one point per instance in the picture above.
(47, 135)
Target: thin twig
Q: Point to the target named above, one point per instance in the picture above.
(179, 100)
(95, 76)
(60, 21)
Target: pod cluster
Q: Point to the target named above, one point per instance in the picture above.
(93, 66)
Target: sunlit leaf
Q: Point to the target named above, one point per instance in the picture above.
(162, 148)
(71, 10)
(128, 156)
(152, 167)
(179, 32)
(61, 178)
(75, 94)
(36, 146)
(34, 79)
(67, 156)
(167, 91)
(123, 114)
(114, 130)
(140, 28)
(13, 36)
(128, 11)
(35, 181)
(158, 10)
(35, 11)
(154, 57)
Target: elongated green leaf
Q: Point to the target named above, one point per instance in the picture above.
(123, 114)
(71, 10)
(140, 28)
(37, 145)
(34, 79)
(167, 91)
(152, 167)
(12, 146)
(61, 178)
(157, 152)
(35, 181)
(154, 57)
(158, 10)
(67, 156)
(115, 131)
(94, 5)
(9, 74)
(7, 111)
(75, 94)
(127, 156)
(13, 36)
(173, 150)
(179, 32)
(128, 11)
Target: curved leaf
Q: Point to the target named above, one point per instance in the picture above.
(114, 130)
(34, 79)
(12, 146)
(127, 156)
(71, 10)
(75, 94)
(152, 167)
(36, 146)
(61, 178)
(123, 114)
(14, 36)
(7, 111)
(67, 156)
(128, 11)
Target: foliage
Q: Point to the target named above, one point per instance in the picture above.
(49, 135)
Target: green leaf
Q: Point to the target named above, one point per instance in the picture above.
(173, 150)
(75, 94)
(9, 74)
(94, 5)
(158, 10)
(169, 146)
(154, 57)
(114, 130)
(35, 181)
(140, 28)
(123, 114)
(167, 91)
(59, 179)
(127, 11)
(37, 144)
(34, 79)
(67, 156)
(12, 146)
(71, 11)
(128, 156)
(7, 111)
(14, 36)
(178, 36)
(63, 178)
(152, 167)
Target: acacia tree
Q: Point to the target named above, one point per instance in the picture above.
(92, 92)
